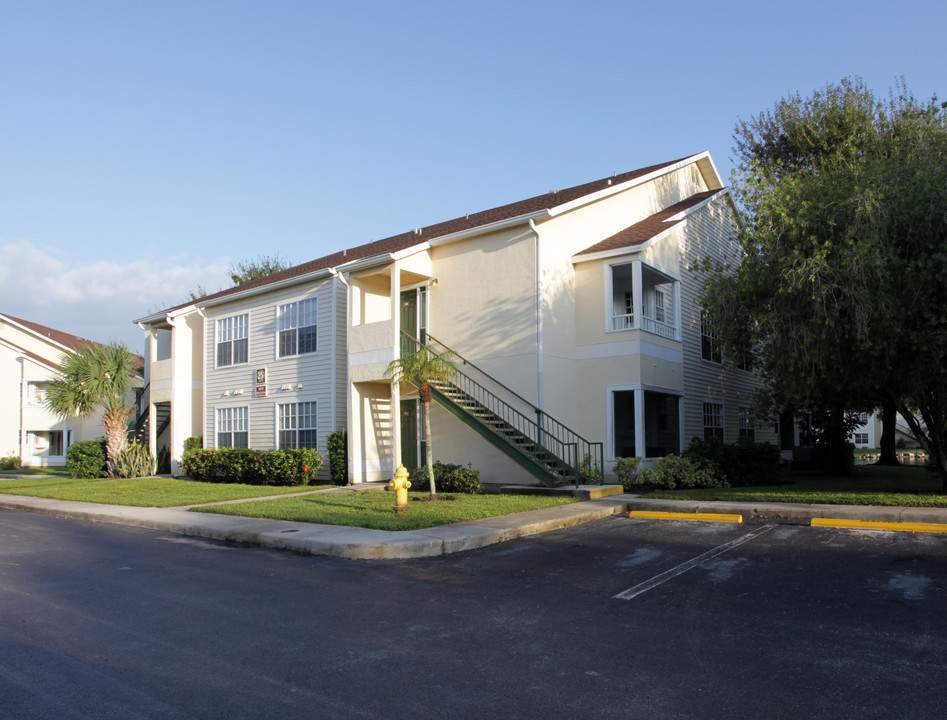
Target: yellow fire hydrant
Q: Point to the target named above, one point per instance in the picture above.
(400, 485)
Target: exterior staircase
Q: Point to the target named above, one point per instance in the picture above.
(540, 444)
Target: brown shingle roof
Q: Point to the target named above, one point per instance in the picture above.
(396, 243)
(73, 342)
(648, 228)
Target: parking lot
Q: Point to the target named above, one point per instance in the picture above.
(618, 618)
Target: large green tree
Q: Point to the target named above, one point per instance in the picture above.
(98, 378)
(843, 238)
(421, 368)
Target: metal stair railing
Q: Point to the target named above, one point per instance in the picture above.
(580, 458)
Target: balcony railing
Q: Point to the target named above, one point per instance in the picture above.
(658, 328)
(623, 322)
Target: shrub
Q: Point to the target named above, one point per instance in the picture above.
(10, 463)
(253, 467)
(195, 442)
(833, 459)
(448, 478)
(627, 471)
(739, 464)
(589, 471)
(338, 449)
(678, 473)
(134, 462)
(86, 459)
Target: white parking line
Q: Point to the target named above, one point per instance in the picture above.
(684, 567)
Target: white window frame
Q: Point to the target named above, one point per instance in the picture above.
(716, 356)
(639, 399)
(745, 419)
(228, 421)
(289, 319)
(714, 412)
(231, 331)
(289, 419)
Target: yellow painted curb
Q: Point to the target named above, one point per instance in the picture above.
(878, 525)
(703, 517)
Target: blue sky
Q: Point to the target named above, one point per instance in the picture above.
(147, 146)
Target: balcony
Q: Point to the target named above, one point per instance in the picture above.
(643, 298)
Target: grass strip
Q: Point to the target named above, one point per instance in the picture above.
(142, 492)
(867, 485)
(375, 510)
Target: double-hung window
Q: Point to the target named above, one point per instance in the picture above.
(232, 427)
(713, 421)
(747, 429)
(298, 327)
(709, 346)
(232, 340)
(297, 425)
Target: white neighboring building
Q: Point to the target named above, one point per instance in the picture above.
(29, 356)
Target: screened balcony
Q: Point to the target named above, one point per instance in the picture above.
(653, 300)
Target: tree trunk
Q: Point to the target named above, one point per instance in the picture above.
(427, 439)
(889, 419)
(115, 421)
(838, 461)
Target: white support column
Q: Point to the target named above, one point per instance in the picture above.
(396, 387)
(640, 449)
(638, 307)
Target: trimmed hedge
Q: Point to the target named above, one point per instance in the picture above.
(448, 478)
(739, 464)
(678, 473)
(10, 463)
(252, 467)
(87, 459)
(338, 448)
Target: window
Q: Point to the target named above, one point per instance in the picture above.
(862, 418)
(659, 306)
(36, 394)
(298, 328)
(745, 362)
(709, 348)
(746, 424)
(232, 340)
(713, 421)
(232, 427)
(297, 425)
(860, 438)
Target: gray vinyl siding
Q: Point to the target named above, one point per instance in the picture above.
(302, 378)
(708, 233)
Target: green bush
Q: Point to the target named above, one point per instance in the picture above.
(448, 478)
(627, 472)
(589, 471)
(10, 463)
(86, 459)
(134, 462)
(195, 442)
(338, 449)
(679, 473)
(253, 467)
(739, 464)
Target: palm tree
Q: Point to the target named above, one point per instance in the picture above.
(420, 368)
(98, 377)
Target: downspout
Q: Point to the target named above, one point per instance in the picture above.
(539, 318)
(22, 360)
(335, 350)
(204, 376)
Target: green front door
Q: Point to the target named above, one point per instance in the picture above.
(409, 321)
(409, 433)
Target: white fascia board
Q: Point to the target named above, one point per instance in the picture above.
(621, 187)
(269, 287)
(489, 227)
(679, 221)
(22, 353)
(44, 338)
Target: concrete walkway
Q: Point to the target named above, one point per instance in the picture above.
(360, 543)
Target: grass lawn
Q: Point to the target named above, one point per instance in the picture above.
(57, 471)
(376, 509)
(143, 492)
(868, 485)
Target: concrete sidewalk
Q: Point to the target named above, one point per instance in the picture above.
(360, 543)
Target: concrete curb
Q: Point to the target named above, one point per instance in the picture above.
(363, 544)
(333, 540)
